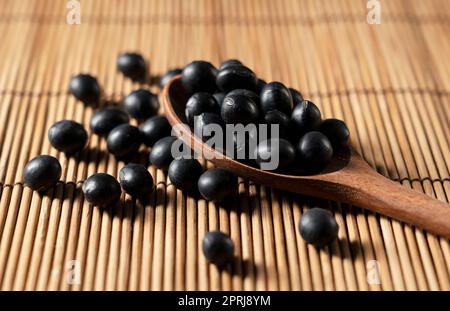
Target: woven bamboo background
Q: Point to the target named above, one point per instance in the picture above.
(389, 82)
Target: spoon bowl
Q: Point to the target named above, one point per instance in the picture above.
(347, 179)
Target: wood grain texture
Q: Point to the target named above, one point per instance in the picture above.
(389, 82)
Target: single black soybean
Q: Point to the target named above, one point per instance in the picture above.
(218, 248)
(184, 174)
(314, 152)
(336, 131)
(318, 227)
(306, 117)
(297, 97)
(85, 88)
(275, 117)
(154, 129)
(136, 180)
(239, 109)
(67, 136)
(236, 77)
(229, 63)
(267, 150)
(205, 119)
(199, 103)
(275, 96)
(161, 153)
(165, 78)
(252, 95)
(133, 66)
(123, 140)
(141, 104)
(104, 120)
(199, 76)
(217, 184)
(42, 172)
(101, 189)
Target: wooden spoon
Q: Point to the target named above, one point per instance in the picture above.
(350, 179)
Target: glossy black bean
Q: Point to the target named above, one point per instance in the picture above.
(239, 109)
(275, 96)
(123, 140)
(165, 78)
(260, 85)
(217, 184)
(184, 174)
(133, 66)
(297, 97)
(161, 153)
(236, 77)
(141, 104)
(219, 97)
(275, 117)
(85, 88)
(229, 63)
(154, 129)
(275, 150)
(218, 248)
(205, 119)
(199, 76)
(306, 117)
(252, 95)
(199, 103)
(136, 180)
(314, 152)
(42, 172)
(101, 189)
(103, 121)
(318, 227)
(336, 131)
(67, 136)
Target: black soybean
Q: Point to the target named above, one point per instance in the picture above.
(136, 180)
(229, 63)
(141, 104)
(245, 144)
(277, 117)
(67, 136)
(218, 248)
(205, 119)
(217, 184)
(236, 77)
(306, 117)
(154, 129)
(336, 131)
(85, 88)
(184, 174)
(199, 103)
(252, 95)
(314, 152)
(239, 109)
(165, 78)
(42, 172)
(161, 153)
(275, 96)
(219, 97)
(123, 140)
(318, 227)
(297, 97)
(199, 76)
(281, 148)
(103, 121)
(133, 66)
(101, 189)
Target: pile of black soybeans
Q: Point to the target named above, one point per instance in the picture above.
(112, 122)
(234, 95)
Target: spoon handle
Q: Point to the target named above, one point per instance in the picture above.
(372, 191)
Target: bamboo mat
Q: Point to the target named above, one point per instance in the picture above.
(389, 82)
